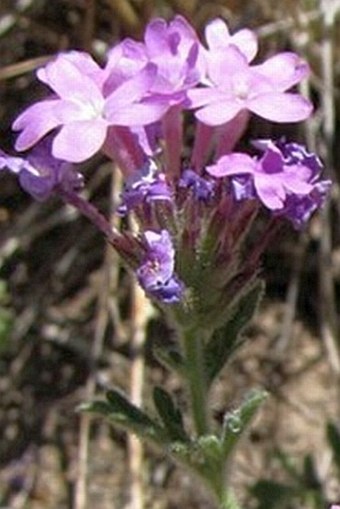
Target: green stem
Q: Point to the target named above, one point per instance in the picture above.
(196, 378)
(224, 495)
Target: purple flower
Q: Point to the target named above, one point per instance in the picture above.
(286, 179)
(145, 186)
(124, 61)
(40, 174)
(173, 47)
(298, 209)
(202, 188)
(156, 272)
(82, 110)
(232, 85)
(218, 37)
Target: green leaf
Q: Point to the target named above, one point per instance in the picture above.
(124, 414)
(333, 437)
(227, 339)
(272, 495)
(236, 422)
(170, 357)
(170, 415)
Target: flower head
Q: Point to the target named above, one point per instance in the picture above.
(131, 109)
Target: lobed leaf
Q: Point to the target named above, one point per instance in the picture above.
(170, 415)
(121, 412)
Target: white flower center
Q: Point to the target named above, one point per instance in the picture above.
(240, 87)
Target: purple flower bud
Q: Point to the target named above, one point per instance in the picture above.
(202, 188)
(156, 272)
(144, 187)
(39, 173)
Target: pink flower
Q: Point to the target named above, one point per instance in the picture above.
(174, 47)
(218, 37)
(232, 85)
(82, 110)
(286, 179)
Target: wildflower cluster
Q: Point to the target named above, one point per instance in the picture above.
(195, 250)
(194, 212)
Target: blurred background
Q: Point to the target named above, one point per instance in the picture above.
(70, 316)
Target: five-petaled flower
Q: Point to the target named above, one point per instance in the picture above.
(285, 179)
(82, 110)
(232, 85)
(173, 47)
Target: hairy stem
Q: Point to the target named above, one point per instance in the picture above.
(196, 378)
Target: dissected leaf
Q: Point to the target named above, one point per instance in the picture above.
(170, 357)
(120, 411)
(170, 415)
